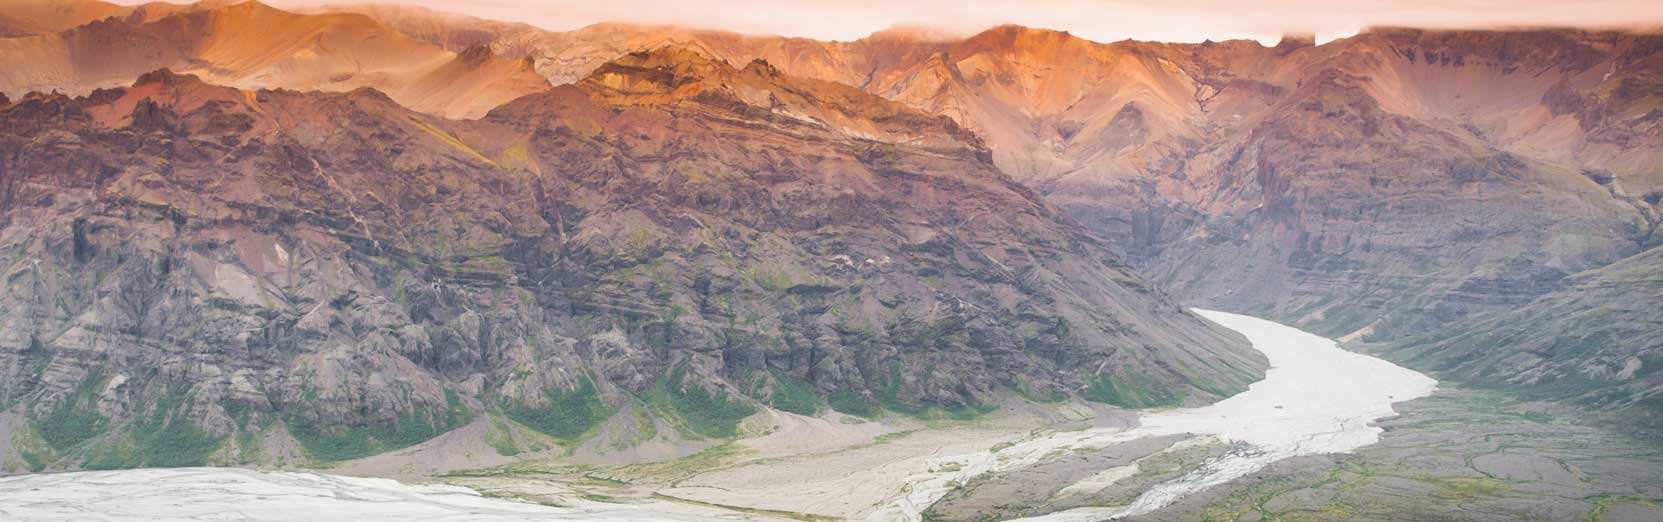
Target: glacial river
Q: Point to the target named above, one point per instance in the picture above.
(1316, 398)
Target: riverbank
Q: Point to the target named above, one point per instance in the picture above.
(1316, 399)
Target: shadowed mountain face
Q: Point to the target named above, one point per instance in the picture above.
(201, 273)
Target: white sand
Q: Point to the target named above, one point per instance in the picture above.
(196, 494)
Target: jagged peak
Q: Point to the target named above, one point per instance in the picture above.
(102, 24)
(761, 67)
(371, 93)
(658, 70)
(669, 55)
(1010, 38)
(243, 5)
(673, 75)
(166, 77)
(53, 94)
(1010, 33)
(1297, 40)
(915, 33)
(475, 55)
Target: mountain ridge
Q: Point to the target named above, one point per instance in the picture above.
(268, 276)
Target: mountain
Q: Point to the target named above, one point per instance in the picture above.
(1253, 177)
(252, 45)
(568, 56)
(1393, 187)
(1361, 216)
(1460, 196)
(450, 31)
(199, 273)
(1592, 342)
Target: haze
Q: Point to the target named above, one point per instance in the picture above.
(1156, 20)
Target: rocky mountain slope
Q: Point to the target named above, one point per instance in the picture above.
(1189, 157)
(252, 45)
(1372, 188)
(197, 273)
(1592, 342)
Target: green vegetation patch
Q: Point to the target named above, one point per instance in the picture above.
(73, 421)
(794, 396)
(1466, 488)
(1026, 390)
(116, 452)
(672, 471)
(1130, 392)
(889, 397)
(163, 437)
(329, 443)
(33, 451)
(168, 438)
(850, 403)
(501, 438)
(569, 413)
(702, 412)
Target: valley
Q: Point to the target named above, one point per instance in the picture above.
(902, 475)
(387, 261)
(1378, 443)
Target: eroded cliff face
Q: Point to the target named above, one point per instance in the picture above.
(204, 274)
(1372, 186)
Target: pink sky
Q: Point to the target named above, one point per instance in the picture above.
(1102, 20)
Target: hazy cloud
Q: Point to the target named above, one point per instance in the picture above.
(1164, 20)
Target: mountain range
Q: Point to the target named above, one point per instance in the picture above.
(237, 234)
(1377, 188)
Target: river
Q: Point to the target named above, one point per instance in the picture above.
(1315, 398)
